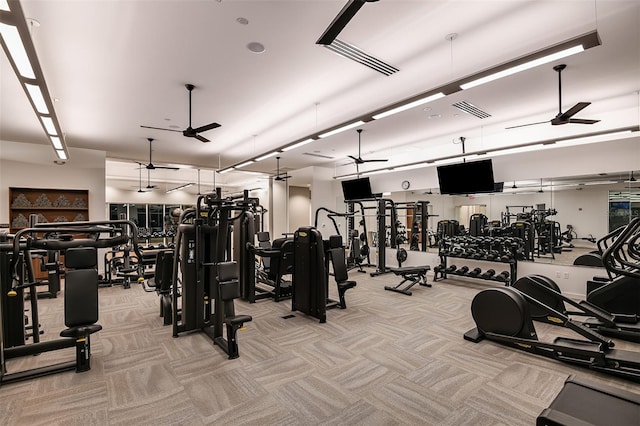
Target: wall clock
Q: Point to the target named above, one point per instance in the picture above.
(406, 184)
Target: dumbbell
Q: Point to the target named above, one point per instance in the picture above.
(474, 272)
(502, 277)
(451, 269)
(492, 255)
(488, 274)
(463, 270)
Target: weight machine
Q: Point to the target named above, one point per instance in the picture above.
(79, 241)
(210, 279)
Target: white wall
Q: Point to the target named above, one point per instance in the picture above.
(299, 207)
(21, 166)
(278, 208)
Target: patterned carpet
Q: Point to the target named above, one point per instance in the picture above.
(388, 359)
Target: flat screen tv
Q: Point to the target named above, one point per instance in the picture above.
(357, 189)
(466, 178)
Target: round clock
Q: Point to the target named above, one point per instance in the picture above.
(406, 184)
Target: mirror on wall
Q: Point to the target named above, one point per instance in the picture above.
(624, 205)
(580, 212)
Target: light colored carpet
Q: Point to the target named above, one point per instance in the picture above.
(388, 359)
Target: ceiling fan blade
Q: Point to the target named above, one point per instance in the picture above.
(374, 161)
(206, 128)
(582, 121)
(530, 124)
(341, 21)
(574, 110)
(201, 138)
(354, 158)
(160, 128)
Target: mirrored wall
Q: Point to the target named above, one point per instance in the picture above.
(156, 222)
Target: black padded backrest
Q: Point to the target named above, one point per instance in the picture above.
(229, 288)
(339, 265)
(81, 257)
(158, 271)
(227, 271)
(263, 237)
(335, 241)
(81, 287)
(264, 242)
(166, 271)
(278, 242)
(286, 257)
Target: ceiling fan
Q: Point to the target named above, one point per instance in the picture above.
(359, 160)
(341, 20)
(150, 165)
(140, 181)
(190, 132)
(564, 117)
(278, 176)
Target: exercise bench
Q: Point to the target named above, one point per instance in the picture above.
(412, 274)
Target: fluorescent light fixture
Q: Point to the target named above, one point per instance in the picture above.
(579, 140)
(386, 194)
(375, 172)
(178, 188)
(223, 171)
(265, 156)
(19, 48)
(409, 105)
(351, 176)
(14, 44)
(517, 150)
(57, 144)
(36, 96)
(341, 129)
(47, 122)
(246, 163)
(525, 66)
(409, 167)
(297, 145)
(602, 182)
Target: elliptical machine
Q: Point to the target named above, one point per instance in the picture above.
(503, 315)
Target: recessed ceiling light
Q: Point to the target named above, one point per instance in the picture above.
(434, 116)
(242, 21)
(427, 109)
(256, 47)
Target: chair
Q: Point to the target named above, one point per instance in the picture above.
(340, 274)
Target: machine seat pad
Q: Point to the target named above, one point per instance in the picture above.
(346, 285)
(82, 330)
(411, 270)
(238, 319)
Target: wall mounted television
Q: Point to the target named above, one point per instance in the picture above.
(357, 189)
(466, 178)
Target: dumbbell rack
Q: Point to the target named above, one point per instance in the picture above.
(445, 253)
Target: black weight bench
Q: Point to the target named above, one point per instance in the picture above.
(412, 274)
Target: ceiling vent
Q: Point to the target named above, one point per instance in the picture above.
(350, 51)
(317, 155)
(471, 109)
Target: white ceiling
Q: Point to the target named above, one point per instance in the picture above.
(117, 65)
